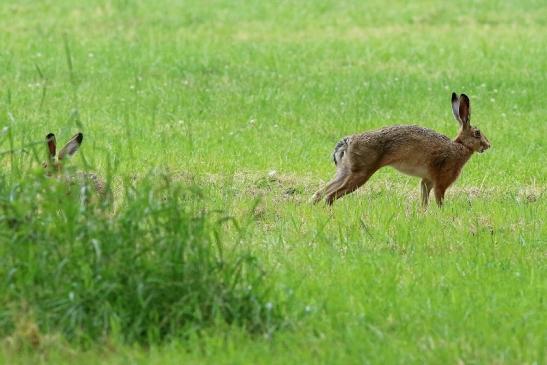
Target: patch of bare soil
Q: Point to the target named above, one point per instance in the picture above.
(288, 187)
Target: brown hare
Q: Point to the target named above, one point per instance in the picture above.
(54, 164)
(412, 150)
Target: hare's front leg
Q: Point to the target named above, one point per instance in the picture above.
(426, 186)
(439, 191)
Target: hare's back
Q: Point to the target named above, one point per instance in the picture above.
(410, 149)
(401, 137)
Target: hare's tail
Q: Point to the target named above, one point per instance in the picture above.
(340, 150)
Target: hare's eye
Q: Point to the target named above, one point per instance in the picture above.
(477, 133)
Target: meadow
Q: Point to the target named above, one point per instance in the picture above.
(213, 123)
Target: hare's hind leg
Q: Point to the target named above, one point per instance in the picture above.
(350, 184)
(338, 180)
(426, 186)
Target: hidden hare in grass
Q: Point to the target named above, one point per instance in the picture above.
(412, 150)
(55, 162)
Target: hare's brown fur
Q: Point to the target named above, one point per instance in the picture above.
(413, 150)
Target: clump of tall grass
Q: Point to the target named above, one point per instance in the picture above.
(151, 269)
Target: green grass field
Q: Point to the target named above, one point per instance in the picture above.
(246, 100)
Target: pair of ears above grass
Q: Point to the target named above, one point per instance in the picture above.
(68, 149)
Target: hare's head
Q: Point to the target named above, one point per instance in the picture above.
(469, 136)
(54, 162)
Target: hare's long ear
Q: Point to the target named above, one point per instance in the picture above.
(51, 146)
(456, 107)
(72, 146)
(465, 109)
